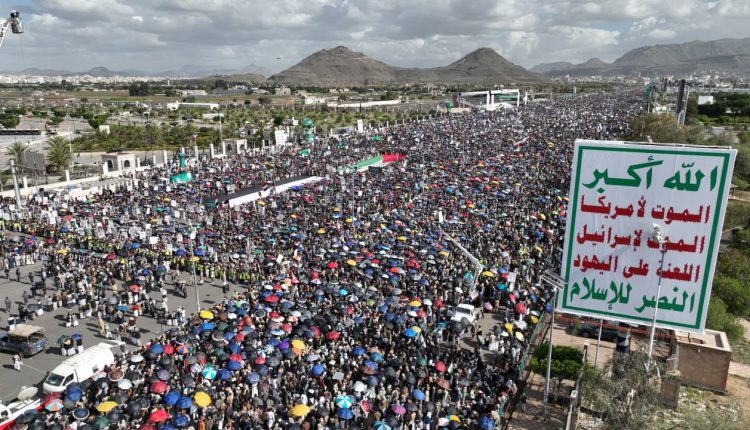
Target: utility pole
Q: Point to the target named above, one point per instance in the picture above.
(557, 284)
(15, 183)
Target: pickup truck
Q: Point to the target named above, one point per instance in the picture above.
(465, 313)
(24, 339)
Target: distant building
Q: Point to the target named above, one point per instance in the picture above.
(705, 100)
(188, 93)
(212, 116)
(309, 100)
(282, 91)
(180, 105)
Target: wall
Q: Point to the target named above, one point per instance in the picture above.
(703, 366)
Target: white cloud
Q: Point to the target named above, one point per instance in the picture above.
(166, 34)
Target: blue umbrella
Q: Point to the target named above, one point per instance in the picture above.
(181, 252)
(370, 364)
(382, 425)
(235, 348)
(253, 378)
(409, 332)
(345, 414)
(181, 421)
(358, 351)
(418, 395)
(376, 357)
(171, 398)
(207, 326)
(234, 365)
(185, 402)
(135, 245)
(344, 401)
(262, 370)
(224, 374)
(157, 348)
(209, 372)
(318, 370)
(486, 423)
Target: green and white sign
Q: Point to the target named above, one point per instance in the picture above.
(612, 261)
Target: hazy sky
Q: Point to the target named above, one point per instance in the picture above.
(158, 35)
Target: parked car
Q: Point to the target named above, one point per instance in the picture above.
(24, 339)
(590, 329)
(465, 313)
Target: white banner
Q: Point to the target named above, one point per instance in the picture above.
(620, 195)
(280, 136)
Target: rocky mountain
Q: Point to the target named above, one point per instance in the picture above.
(196, 70)
(724, 55)
(341, 66)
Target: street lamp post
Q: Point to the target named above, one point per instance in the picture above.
(192, 260)
(557, 284)
(657, 237)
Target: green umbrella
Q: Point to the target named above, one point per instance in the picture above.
(422, 361)
(101, 422)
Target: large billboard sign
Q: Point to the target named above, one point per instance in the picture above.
(621, 194)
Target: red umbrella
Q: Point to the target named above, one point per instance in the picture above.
(438, 303)
(332, 335)
(134, 288)
(168, 349)
(316, 331)
(260, 360)
(235, 357)
(440, 366)
(394, 269)
(239, 337)
(286, 327)
(520, 307)
(442, 383)
(332, 265)
(50, 397)
(159, 387)
(158, 416)
(272, 299)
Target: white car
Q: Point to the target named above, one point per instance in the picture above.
(465, 313)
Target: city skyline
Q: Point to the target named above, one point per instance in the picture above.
(162, 35)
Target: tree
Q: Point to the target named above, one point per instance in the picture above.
(719, 319)
(566, 362)
(264, 100)
(623, 393)
(9, 120)
(58, 154)
(16, 150)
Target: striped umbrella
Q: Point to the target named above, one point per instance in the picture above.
(54, 405)
(344, 401)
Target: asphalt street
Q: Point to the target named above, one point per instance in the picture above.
(35, 368)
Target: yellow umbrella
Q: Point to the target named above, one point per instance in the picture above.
(417, 329)
(351, 262)
(300, 410)
(105, 407)
(509, 328)
(472, 205)
(349, 220)
(402, 238)
(415, 303)
(294, 215)
(454, 418)
(543, 217)
(261, 203)
(62, 251)
(337, 209)
(298, 344)
(321, 231)
(206, 315)
(443, 253)
(488, 274)
(195, 259)
(534, 319)
(202, 399)
(538, 249)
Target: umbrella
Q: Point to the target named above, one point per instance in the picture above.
(137, 358)
(101, 422)
(440, 366)
(318, 370)
(182, 348)
(206, 315)
(158, 415)
(202, 399)
(234, 365)
(163, 375)
(398, 409)
(345, 414)
(299, 410)
(105, 407)
(359, 387)
(486, 423)
(181, 421)
(54, 405)
(344, 401)
(443, 383)
(382, 425)
(520, 307)
(157, 348)
(358, 351)
(170, 399)
(116, 375)
(418, 395)
(209, 372)
(159, 387)
(80, 413)
(184, 402)
(298, 344)
(253, 378)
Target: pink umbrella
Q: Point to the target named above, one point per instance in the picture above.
(520, 307)
(398, 409)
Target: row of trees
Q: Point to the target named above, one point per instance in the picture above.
(58, 154)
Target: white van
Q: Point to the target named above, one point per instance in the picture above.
(79, 368)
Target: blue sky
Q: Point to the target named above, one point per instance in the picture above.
(158, 35)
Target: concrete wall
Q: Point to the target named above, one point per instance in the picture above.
(703, 366)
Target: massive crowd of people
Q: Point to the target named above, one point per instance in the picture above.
(351, 281)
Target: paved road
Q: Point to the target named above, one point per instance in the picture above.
(35, 368)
